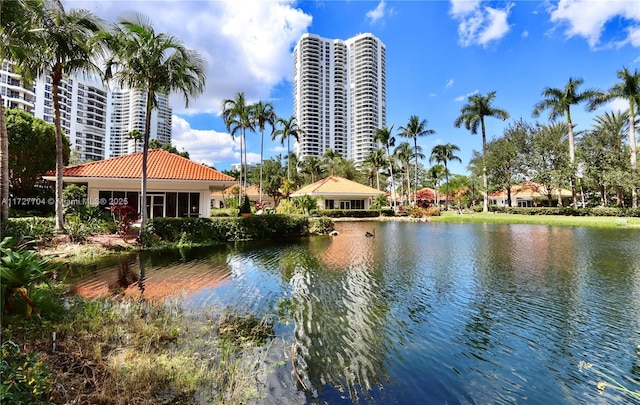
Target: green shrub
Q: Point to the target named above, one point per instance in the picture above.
(32, 228)
(212, 230)
(354, 213)
(20, 269)
(25, 378)
(323, 226)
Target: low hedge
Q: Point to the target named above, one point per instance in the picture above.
(208, 230)
(354, 213)
(569, 211)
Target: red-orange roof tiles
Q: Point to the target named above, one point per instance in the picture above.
(161, 165)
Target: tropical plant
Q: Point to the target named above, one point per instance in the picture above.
(434, 176)
(375, 161)
(444, 154)
(385, 137)
(20, 270)
(627, 88)
(414, 129)
(245, 208)
(311, 166)
(289, 130)
(262, 115)
(60, 43)
(559, 101)
(332, 159)
(25, 377)
(473, 114)
(155, 63)
(602, 152)
(236, 114)
(17, 40)
(404, 153)
(125, 216)
(135, 136)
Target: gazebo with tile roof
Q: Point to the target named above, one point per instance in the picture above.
(176, 186)
(335, 192)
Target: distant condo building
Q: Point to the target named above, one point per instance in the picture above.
(128, 109)
(96, 120)
(339, 95)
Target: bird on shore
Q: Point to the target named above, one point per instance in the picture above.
(369, 234)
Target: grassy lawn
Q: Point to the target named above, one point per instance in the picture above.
(557, 220)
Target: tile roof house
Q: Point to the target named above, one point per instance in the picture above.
(176, 186)
(336, 192)
(253, 191)
(529, 194)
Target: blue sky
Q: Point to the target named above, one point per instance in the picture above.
(438, 53)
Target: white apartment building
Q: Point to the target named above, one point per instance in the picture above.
(127, 112)
(339, 94)
(96, 120)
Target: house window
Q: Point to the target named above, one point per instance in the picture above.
(109, 197)
(329, 204)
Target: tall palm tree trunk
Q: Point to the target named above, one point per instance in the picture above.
(634, 157)
(415, 185)
(485, 184)
(288, 158)
(446, 189)
(572, 158)
(261, 162)
(393, 185)
(145, 155)
(4, 168)
(56, 78)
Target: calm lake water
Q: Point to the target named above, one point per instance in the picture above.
(425, 313)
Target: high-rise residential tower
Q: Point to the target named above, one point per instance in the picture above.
(97, 120)
(127, 113)
(339, 95)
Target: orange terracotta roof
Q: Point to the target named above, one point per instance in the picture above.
(337, 185)
(161, 165)
(528, 188)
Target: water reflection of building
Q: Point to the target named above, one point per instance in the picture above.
(340, 317)
(135, 280)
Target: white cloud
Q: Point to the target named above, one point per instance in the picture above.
(466, 96)
(480, 25)
(449, 83)
(247, 44)
(204, 146)
(587, 18)
(377, 13)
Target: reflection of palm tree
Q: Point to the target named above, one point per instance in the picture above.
(443, 154)
(125, 278)
(472, 114)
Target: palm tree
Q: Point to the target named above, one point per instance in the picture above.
(559, 102)
(414, 129)
(289, 130)
(628, 88)
(135, 136)
(385, 137)
(16, 41)
(472, 114)
(263, 114)
(331, 159)
(237, 118)
(376, 160)
(444, 154)
(59, 43)
(435, 175)
(156, 63)
(312, 166)
(404, 153)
